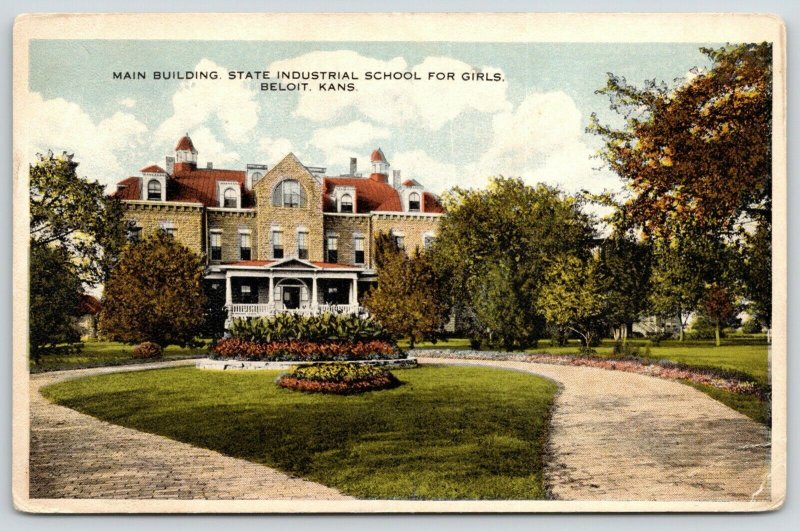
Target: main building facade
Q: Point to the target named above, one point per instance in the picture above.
(281, 239)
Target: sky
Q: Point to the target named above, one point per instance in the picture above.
(530, 124)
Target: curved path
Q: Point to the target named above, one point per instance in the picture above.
(73, 455)
(629, 437)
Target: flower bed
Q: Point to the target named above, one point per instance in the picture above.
(338, 378)
(299, 350)
(732, 381)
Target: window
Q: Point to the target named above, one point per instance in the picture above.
(302, 245)
(134, 234)
(230, 198)
(169, 228)
(346, 203)
(154, 190)
(413, 202)
(427, 242)
(289, 194)
(244, 246)
(332, 255)
(358, 250)
(400, 241)
(216, 246)
(277, 244)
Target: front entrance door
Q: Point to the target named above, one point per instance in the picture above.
(291, 297)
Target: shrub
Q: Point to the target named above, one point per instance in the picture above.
(147, 350)
(294, 350)
(338, 378)
(751, 326)
(626, 350)
(314, 328)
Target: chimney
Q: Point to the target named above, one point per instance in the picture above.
(396, 179)
(353, 164)
(209, 165)
(170, 165)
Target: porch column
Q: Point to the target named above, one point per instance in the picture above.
(354, 291)
(228, 291)
(314, 296)
(270, 295)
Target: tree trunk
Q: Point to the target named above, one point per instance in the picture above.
(624, 331)
(680, 324)
(716, 333)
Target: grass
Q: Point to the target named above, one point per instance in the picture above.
(445, 433)
(103, 353)
(751, 406)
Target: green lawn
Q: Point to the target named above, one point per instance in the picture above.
(445, 433)
(101, 353)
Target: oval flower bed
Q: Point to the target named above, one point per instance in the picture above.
(338, 378)
(299, 350)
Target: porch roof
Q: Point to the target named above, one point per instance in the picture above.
(289, 263)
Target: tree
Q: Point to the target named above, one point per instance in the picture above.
(574, 296)
(699, 153)
(625, 265)
(154, 294)
(756, 256)
(75, 214)
(497, 242)
(407, 300)
(55, 294)
(719, 306)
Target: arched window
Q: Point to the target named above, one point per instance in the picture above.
(346, 203)
(413, 202)
(154, 190)
(289, 194)
(229, 198)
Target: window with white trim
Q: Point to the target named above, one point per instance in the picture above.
(427, 241)
(169, 228)
(289, 194)
(302, 245)
(230, 198)
(134, 233)
(215, 245)
(358, 249)
(346, 204)
(153, 190)
(413, 202)
(277, 243)
(332, 248)
(245, 252)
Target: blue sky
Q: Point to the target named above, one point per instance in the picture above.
(531, 124)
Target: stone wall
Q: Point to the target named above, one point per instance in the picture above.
(230, 222)
(187, 220)
(345, 226)
(289, 219)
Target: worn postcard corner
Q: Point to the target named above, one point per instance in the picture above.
(396, 263)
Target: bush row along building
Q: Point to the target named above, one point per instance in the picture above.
(281, 239)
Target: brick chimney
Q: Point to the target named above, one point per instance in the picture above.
(353, 165)
(396, 179)
(209, 165)
(170, 165)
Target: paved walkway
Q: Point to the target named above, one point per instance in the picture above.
(73, 455)
(624, 437)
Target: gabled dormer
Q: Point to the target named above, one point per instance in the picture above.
(154, 183)
(412, 196)
(229, 194)
(345, 199)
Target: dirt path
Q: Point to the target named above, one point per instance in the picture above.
(625, 437)
(73, 455)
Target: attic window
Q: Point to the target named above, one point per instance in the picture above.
(229, 198)
(346, 204)
(289, 194)
(413, 202)
(153, 190)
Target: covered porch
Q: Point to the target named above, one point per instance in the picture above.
(290, 286)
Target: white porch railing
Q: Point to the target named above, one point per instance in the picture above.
(238, 310)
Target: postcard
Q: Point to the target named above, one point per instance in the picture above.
(358, 263)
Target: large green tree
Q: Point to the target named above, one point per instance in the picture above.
(75, 214)
(407, 300)
(496, 243)
(574, 296)
(756, 258)
(55, 293)
(154, 293)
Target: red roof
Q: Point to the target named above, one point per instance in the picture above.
(153, 168)
(377, 156)
(190, 186)
(185, 144)
(373, 196)
(89, 305)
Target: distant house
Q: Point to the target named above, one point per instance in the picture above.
(88, 310)
(286, 238)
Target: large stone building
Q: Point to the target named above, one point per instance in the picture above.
(286, 238)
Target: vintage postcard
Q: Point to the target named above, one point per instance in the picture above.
(327, 263)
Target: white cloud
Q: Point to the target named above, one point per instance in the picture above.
(340, 143)
(274, 149)
(435, 175)
(196, 102)
(210, 149)
(60, 125)
(427, 103)
(127, 102)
